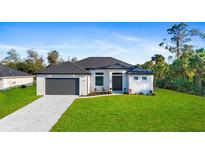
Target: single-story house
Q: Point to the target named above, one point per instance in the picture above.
(13, 78)
(93, 74)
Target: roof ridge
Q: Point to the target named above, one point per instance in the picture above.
(122, 61)
(78, 66)
(91, 57)
(64, 67)
(102, 62)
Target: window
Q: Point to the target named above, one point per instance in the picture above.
(98, 73)
(136, 77)
(144, 78)
(99, 79)
(116, 74)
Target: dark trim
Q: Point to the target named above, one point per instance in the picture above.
(140, 73)
(99, 73)
(63, 73)
(117, 74)
(107, 68)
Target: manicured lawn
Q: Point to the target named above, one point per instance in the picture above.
(167, 111)
(14, 99)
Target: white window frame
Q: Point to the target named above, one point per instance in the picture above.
(99, 75)
(136, 77)
(144, 78)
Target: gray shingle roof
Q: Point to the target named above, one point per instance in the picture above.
(102, 63)
(93, 63)
(7, 72)
(138, 71)
(64, 68)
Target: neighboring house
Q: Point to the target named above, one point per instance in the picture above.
(12, 78)
(93, 74)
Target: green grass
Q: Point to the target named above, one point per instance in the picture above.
(168, 111)
(16, 98)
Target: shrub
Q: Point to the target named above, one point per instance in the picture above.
(23, 86)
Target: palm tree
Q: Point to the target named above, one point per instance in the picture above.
(186, 71)
(197, 63)
(160, 66)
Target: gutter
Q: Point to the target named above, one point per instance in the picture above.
(8, 77)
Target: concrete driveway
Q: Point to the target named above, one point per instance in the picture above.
(38, 116)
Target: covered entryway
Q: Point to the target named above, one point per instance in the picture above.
(62, 86)
(117, 81)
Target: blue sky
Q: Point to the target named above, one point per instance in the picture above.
(130, 42)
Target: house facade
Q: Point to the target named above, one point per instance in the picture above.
(13, 78)
(93, 74)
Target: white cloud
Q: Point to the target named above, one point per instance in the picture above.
(128, 38)
(111, 47)
(7, 47)
(68, 45)
(132, 49)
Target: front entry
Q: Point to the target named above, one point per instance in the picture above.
(117, 83)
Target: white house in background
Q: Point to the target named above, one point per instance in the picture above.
(93, 74)
(12, 78)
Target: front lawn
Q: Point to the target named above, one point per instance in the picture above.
(167, 111)
(14, 99)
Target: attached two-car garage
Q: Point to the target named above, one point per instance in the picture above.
(53, 84)
(63, 79)
(62, 86)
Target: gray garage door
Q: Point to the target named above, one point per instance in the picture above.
(62, 86)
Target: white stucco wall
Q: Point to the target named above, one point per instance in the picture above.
(1, 83)
(8, 82)
(84, 86)
(107, 79)
(87, 82)
(140, 86)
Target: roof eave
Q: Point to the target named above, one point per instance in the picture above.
(20, 76)
(106, 68)
(65, 73)
(140, 73)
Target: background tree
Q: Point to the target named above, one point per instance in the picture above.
(33, 63)
(53, 57)
(186, 73)
(12, 58)
(179, 36)
(170, 59)
(68, 58)
(160, 66)
(197, 32)
(148, 65)
(61, 60)
(197, 63)
(74, 59)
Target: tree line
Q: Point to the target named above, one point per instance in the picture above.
(185, 72)
(33, 62)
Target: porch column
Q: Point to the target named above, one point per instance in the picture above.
(110, 80)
